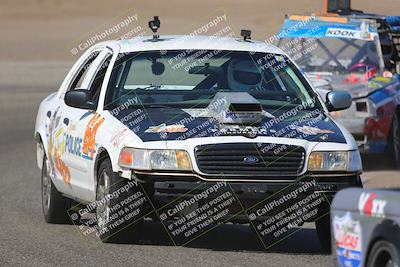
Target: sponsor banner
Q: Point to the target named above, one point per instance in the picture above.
(319, 29)
(348, 238)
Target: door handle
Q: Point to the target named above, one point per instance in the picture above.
(66, 121)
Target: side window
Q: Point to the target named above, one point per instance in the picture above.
(77, 82)
(115, 84)
(95, 87)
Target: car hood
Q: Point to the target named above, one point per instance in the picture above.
(157, 124)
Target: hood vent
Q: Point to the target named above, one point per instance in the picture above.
(235, 108)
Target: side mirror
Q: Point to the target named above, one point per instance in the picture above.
(338, 100)
(79, 98)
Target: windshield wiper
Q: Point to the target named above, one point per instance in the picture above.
(151, 105)
(150, 87)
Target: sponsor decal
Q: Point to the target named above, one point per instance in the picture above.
(247, 131)
(73, 144)
(89, 140)
(348, 238)
(62, 168)
(348, 33)
(324, 137)
(312, 130)
(369, 205)
(56, 150)
(234, 117)
(118, 136)
(163, 128)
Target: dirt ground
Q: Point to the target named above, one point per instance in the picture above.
(46, 30)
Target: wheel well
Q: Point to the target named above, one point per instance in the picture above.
(40, 150)
(388, 230)
(380, 255)
(38, 139)
(101, 156)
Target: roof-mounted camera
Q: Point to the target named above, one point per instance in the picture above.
(246, 34)
(154, 25)
(338, 6)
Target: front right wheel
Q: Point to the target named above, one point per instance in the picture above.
(323, 227)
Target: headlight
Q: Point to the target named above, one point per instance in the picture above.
(160, 159)
(335, 161)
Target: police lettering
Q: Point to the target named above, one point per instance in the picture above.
(73, 145)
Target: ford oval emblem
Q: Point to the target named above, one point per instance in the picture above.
(250, 159)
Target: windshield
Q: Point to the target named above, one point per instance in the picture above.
(192, 78)
(338, 55)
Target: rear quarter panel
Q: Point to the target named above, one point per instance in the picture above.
(359, 218)
(47, 106)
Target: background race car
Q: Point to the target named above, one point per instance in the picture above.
(365, 225)
(350, 50)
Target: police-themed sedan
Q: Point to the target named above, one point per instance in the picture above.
(171, 112)
(366, 227)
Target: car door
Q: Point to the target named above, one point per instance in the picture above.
(81, 125)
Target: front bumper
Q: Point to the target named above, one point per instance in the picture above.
(166, 188)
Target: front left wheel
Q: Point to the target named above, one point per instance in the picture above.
(113, 222)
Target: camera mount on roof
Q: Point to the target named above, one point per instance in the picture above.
(154, 25)
(246, 34)
(341, 7)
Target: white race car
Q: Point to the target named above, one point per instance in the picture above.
(184, 117)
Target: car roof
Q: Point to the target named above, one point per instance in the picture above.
(188, 42)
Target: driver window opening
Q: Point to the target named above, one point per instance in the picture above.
(77, 82)
(95, 87)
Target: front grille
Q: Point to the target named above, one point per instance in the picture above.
(258, 159)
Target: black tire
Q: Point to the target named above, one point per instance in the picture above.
(383, 254)
(323, 227)
(108, 208)
(395, 140)
(55, 206)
